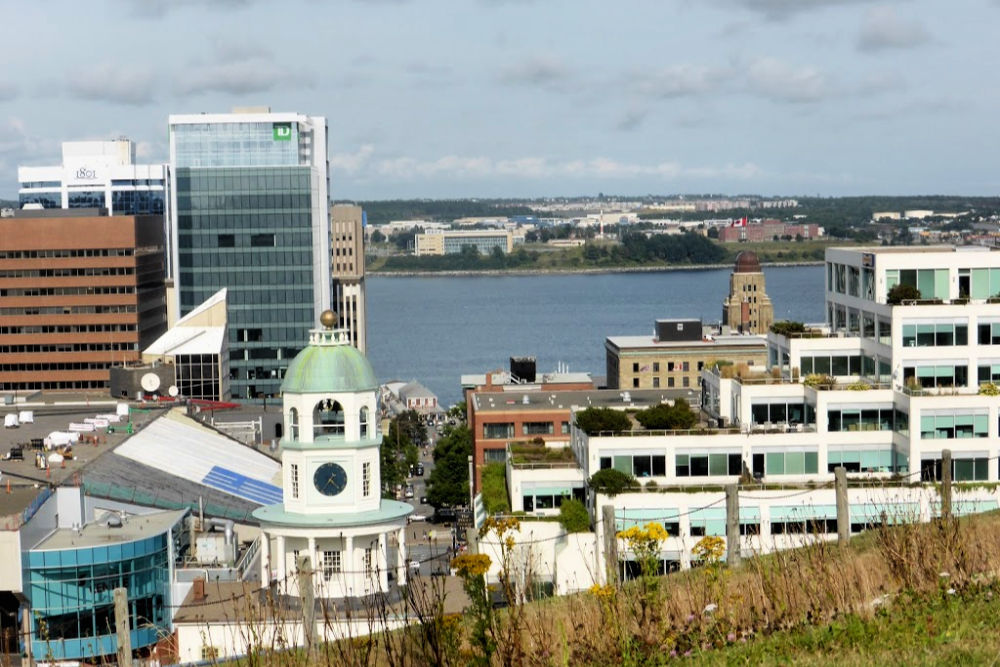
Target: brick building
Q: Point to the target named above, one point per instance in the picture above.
(768, 230)
(79, 292)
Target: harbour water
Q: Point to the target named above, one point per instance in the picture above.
(436, 328)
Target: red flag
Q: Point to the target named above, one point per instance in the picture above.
(739, 222)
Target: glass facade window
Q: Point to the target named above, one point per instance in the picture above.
(71, 596)
(966, 469)
(270, 286)
(548, 498)
(931, 283)
(872, 418)
(708, 464)
(86, 199)
(637, 465)
(538, 428)
(137, 202)
(989, 334)
(791, 463)
(238, 144)
(863, 460)
(989, 373)
(944, 375)
(46, 199)
(935, 335)
(836, 364)
(938, 425)
(783, 412)
(198, 376)
(498, 431)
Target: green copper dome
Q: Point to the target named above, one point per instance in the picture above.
(328, 364)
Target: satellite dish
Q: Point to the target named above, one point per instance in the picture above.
(150, 382)
(173, 390)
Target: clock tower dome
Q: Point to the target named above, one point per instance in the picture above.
(332, 508)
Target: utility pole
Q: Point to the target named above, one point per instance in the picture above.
(843, 509)
(610, 544)
(732, 525)
(122, 627)
(306, 594)
(946, 484)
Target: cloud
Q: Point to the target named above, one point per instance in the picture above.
(632, 119)
(154, 9)
(782, 9)
(540, 71)
(781, 82)
(362, 164)
(678, 81)
(239, 70)
(113, 83)
(884, 29)
(8, 90)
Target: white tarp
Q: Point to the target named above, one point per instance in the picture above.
(10, 421)
(59, 438)
(122, 409)
(81, 427)
(26, 417)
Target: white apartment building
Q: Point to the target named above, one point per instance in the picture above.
(880, 389)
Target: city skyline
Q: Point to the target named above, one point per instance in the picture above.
(520, 98)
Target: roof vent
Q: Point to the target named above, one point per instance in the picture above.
(114, 521)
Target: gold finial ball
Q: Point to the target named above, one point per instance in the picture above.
(328, 318)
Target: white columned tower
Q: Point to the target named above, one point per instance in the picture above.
(332, 508)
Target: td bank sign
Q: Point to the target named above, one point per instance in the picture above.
(282, 131)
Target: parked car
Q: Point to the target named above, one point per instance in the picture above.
(419, 470)
(409, 491)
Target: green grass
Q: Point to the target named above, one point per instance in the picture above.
(935, 629)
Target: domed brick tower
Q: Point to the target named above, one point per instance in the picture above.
(747, 309)
(332, 508)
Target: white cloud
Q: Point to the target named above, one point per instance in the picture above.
(113, 83)
(239, 70)
(678, 80)
(783, 9)
(362, 164)
(8, 90)
(154, 9)
(543, 71)
(782, 82)
(883, 28)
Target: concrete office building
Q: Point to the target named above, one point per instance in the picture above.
(451, 242)
(79, 292)
(675, 356)
(748, 308)
(250, 212)
(347, 242)
(881, 389)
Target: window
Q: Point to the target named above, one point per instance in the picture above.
(366, 479)
(209, 653)
(637, 465)
(783, 411)
(989, 334)
(328, 418)
(635, 367)
(262, 240)
(935, 335)
(635, 383)
(295, 479)
(227, 240)
(685, 381)
(498, 431)
(656, 383)
(293, 423)
(708, 464)
(936, 425)
(363, 422)
(331, 564)
(495, 455)
(945, 375)
(862, 460)
(368, 563)
(791, 463)
(538, 428)
(873, 418)
(656, 366)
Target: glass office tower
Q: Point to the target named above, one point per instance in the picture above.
(250, 214)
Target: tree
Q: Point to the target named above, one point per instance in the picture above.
(398, 454)
(611, 482)
(378, 237)
(595, 420)
(531, 237)
(573, 516)
(788, 327)
(901, 293)
(494, 488)
(412, 425)
(676, 417)
(448, 485)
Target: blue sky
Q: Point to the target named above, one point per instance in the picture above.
(467, 98)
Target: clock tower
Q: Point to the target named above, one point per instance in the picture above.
(332, 508)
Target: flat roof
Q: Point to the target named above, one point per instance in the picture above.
(911, 249)
(562, 400)
(98, 533)
(650, 342)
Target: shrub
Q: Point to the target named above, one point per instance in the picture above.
(678, 416)
(901, 293)
(611, 482)
(788, 327)
(595, 420)
(989, 389)
(819, 381)
(573, 516)
(495, 488)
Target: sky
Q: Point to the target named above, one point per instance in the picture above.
(533, 98)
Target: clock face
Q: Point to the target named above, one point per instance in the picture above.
(330, 479)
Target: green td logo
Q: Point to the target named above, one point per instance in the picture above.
(282, 131)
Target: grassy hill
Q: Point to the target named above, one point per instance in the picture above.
(906, 594)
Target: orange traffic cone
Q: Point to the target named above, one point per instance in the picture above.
(48, 472)
(63, 463)
(8, 487)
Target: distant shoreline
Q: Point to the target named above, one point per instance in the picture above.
(572, 271)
